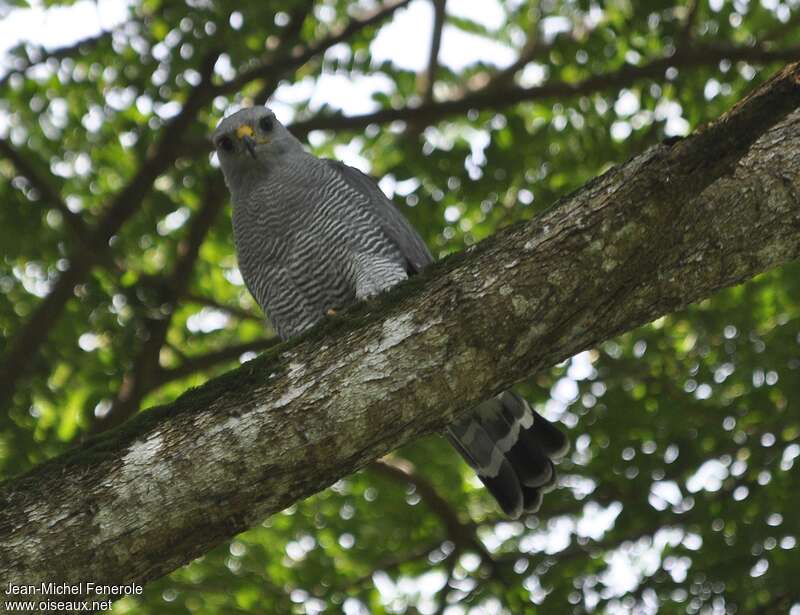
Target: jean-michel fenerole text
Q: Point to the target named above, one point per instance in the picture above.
(73, 589)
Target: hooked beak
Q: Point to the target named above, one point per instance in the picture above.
(250, 143)
(245, 133)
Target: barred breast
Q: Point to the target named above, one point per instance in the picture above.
(299, 236)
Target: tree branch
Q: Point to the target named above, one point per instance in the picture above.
(444, 592)
(689, 21)
(392, 562)
(534, 47)
(192, 365)
(666, 228)
(782, 29)
(56, 54)
(696, 56)
(290, 37)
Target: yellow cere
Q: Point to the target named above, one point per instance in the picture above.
(244, 131)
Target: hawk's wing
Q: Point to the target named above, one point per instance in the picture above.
(393, 223)
(510, 446)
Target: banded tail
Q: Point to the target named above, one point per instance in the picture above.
(511, 448)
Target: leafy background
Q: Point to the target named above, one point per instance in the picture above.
(120, 290)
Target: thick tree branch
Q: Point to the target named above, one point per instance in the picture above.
(666, 228)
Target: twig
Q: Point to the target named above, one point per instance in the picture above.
(781, 30)
(689, 22)
(533, 48)
(444, 592)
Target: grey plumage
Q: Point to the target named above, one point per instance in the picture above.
(312, 235)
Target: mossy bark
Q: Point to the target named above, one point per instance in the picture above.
(666, 228)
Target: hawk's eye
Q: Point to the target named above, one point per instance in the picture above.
(265, 123)
(225, 143)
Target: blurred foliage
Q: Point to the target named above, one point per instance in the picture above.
(679, 492)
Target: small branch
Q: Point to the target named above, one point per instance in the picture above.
(224, 307)
(783, 29)
(390, 563)
(429, 77)
(686, 34)
(534, 48)
(290, 37)
(778, 603)
(444, 592)
(57, 54)
(199, 363)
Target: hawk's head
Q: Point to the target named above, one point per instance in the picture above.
(251, 138)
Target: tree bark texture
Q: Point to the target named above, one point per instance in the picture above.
(668, 227)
